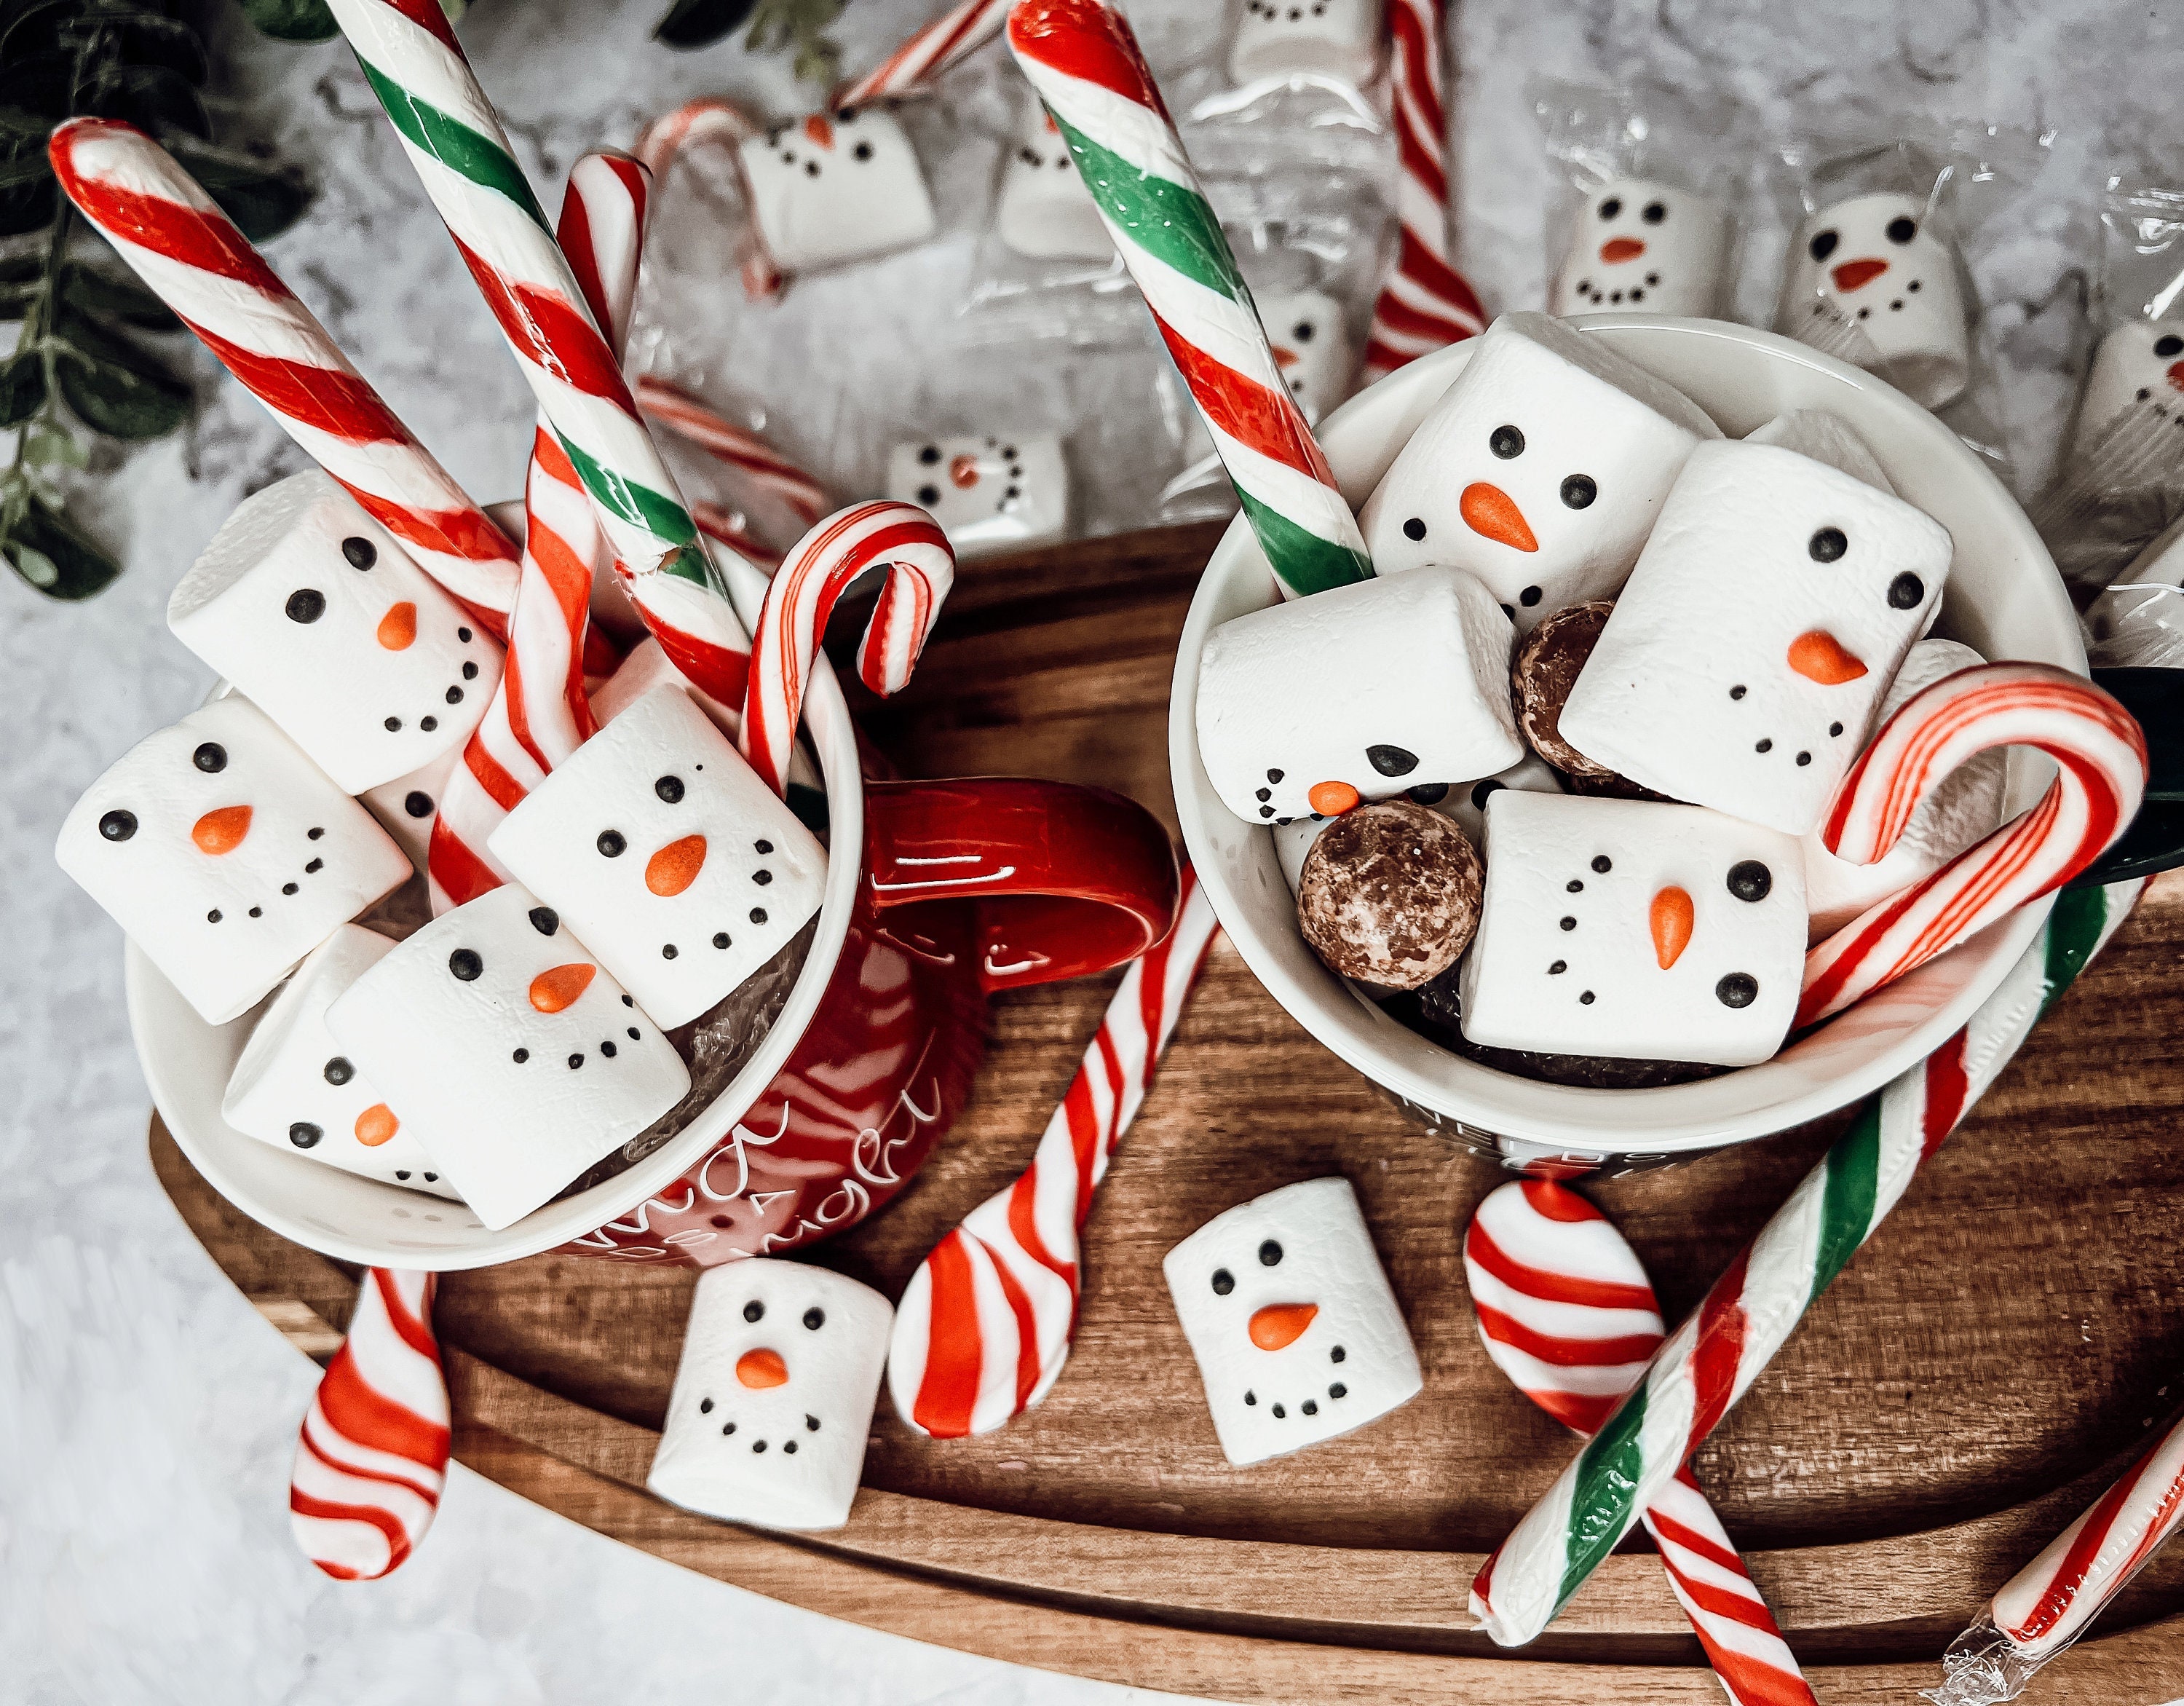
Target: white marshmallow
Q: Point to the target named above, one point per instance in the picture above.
(407, 806)
(1334, 38)
(1311, 347)
(1584, 947)
(1464, 802)
(1967, 805)
(659, 844)
(1824, 438)
(774, 1397)
(516, 1059)
(2139, 363)
(989, 491)
(830, 188)
(1540, 469)
(313, 611)
(1772, 607)
(1043, 210)
(1387, 684)
(226, 854)
(1870, 282)
(294, 1088)
(1298, 1337)
(1641, 247)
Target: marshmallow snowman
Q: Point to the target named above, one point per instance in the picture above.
(1464, 802)
(989, 491)
(1541, 469)
(1311, 347)
(1280, 38)
(1360, 693)
(659, 844)
(773, 1399)
(294, 1088)
(833, 187)
(1043, 210)
(1770, 611)
(1633, 930)
(313, 611)
(226, 854)
(1871, 279)
(515, 1058)
(408, 806)
(1642, 247)
(1297, 1335)
(2140, 365)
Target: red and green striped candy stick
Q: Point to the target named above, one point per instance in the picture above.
(1084, 63)
(1711, 1361)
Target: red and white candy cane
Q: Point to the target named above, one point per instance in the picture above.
(2102, 753)
(913, 67)
(1424, 303)
(713, 118)
(372, 1455)
(985, 1324)
(1567, 1313)
(921, 567)
(191, 257)
(748, 453)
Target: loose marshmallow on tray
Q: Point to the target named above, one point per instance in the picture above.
(1637, 931)
(774, 1396)
(1331, 38)
(833, 187)
(989, 491)
(1767, 616)
(1297, 1334)
(656, 842)
(1871, 281)
(516, 1059)
(1641, 247)
(1311, 347)
(294, 1088)
(1541, 469)
(1043, 210)
(2140, 365)
(226, 854)
(315, 612)
(1362, 692)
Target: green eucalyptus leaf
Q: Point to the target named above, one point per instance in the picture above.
(292, 21)
(113, 385)
(16, 300)
(24, 266)
(22, 387)
(50, 552)
(47, 446)
(99, 291)
(700, 23)
(262, 199)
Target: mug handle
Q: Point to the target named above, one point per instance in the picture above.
(1069, 880)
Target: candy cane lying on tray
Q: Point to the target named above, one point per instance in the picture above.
(912, 68)
(696, 422)
(713, 118)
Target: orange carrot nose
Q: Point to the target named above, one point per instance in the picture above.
(1280, 1324)
(963, 472)
(1286, 358)
(1491, 511)
(1618, 248)
(397, 628)
(2176, 375)
(1333, 799)
(821, 130)
(1671, 920)
(376, 1124)
(758, 1369)
(558, 986)
(675, 867)
(221, 831)
(1819, 656)
(1853, 274)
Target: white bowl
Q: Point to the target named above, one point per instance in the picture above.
(2004, 599)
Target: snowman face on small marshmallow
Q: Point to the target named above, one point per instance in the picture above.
(833, 187)
(1043, 210)
(1873, 267)
(988, 490)
(1311, 347)
(1640, 246)
(1332, 38)
(2138, 367)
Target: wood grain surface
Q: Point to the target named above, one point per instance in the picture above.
(1973, 1379)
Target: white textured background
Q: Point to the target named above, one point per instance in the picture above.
(146, 1413)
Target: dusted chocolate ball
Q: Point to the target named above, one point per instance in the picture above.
(1389, 894)
(1541, 673)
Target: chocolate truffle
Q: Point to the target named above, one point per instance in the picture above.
(1389, 894)
(1541, 673)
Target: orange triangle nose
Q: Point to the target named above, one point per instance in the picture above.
(397, 628)
(376, 1124)
(819, 129)
(963, 472)
(758, 1369)
(1853, 274)
(1819, 656)
(1492, 513)
(221, 831)
(1619, 249)
(1333, 799)
(1670, 920)
(676, 867)
(1281, 1324)
(559, 986)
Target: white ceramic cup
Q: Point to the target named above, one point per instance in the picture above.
(2004, 599)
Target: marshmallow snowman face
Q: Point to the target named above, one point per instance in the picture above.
(1332, 38)
(774, 1397)
(294, 1088)
(226, 854)
(315, 612)
(1868, 272)
(1465, 803)
(658, 842)
(1297, 1335)
(989, 491)
(2140, 365)
(833, 187)
(1044, 211)
(407, 806)
(515, 1058)
(1541, 469)
(1641, 246)
(1773, 606)
(1361, 693)
(1311, 348)
(1633, 930)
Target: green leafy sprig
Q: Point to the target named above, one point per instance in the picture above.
(775, 26)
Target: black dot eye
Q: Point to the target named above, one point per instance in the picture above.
(1506, 443)
(1738, 989)
(339, 1070)
(465, 964)
(1225, 1282)
(211, 758)
(863, 151)
(1414, 529)
(1905, 591)
(118, 826)
(1429, 793)
(928, 495)
(669, 788)
(1611, 207)
(1303, 331)
(361, 553)
(1484, 791)
(1270, 1254)
(1823, 245)
(1579, 491)
(1655, 212)
(417, 803)
(815, 1318)
(611, 844)
(929, 455)
(1828, 545)
(1750, 880)
(2166, 347)
(754, 1311)
(545, 920)
(1902, 229)
(303, 1134)
(306, 604)
(704, 1407)
(1391, 761)
(1530, 596)
(1603, 864)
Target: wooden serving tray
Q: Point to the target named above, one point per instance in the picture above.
(1969, 1385)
